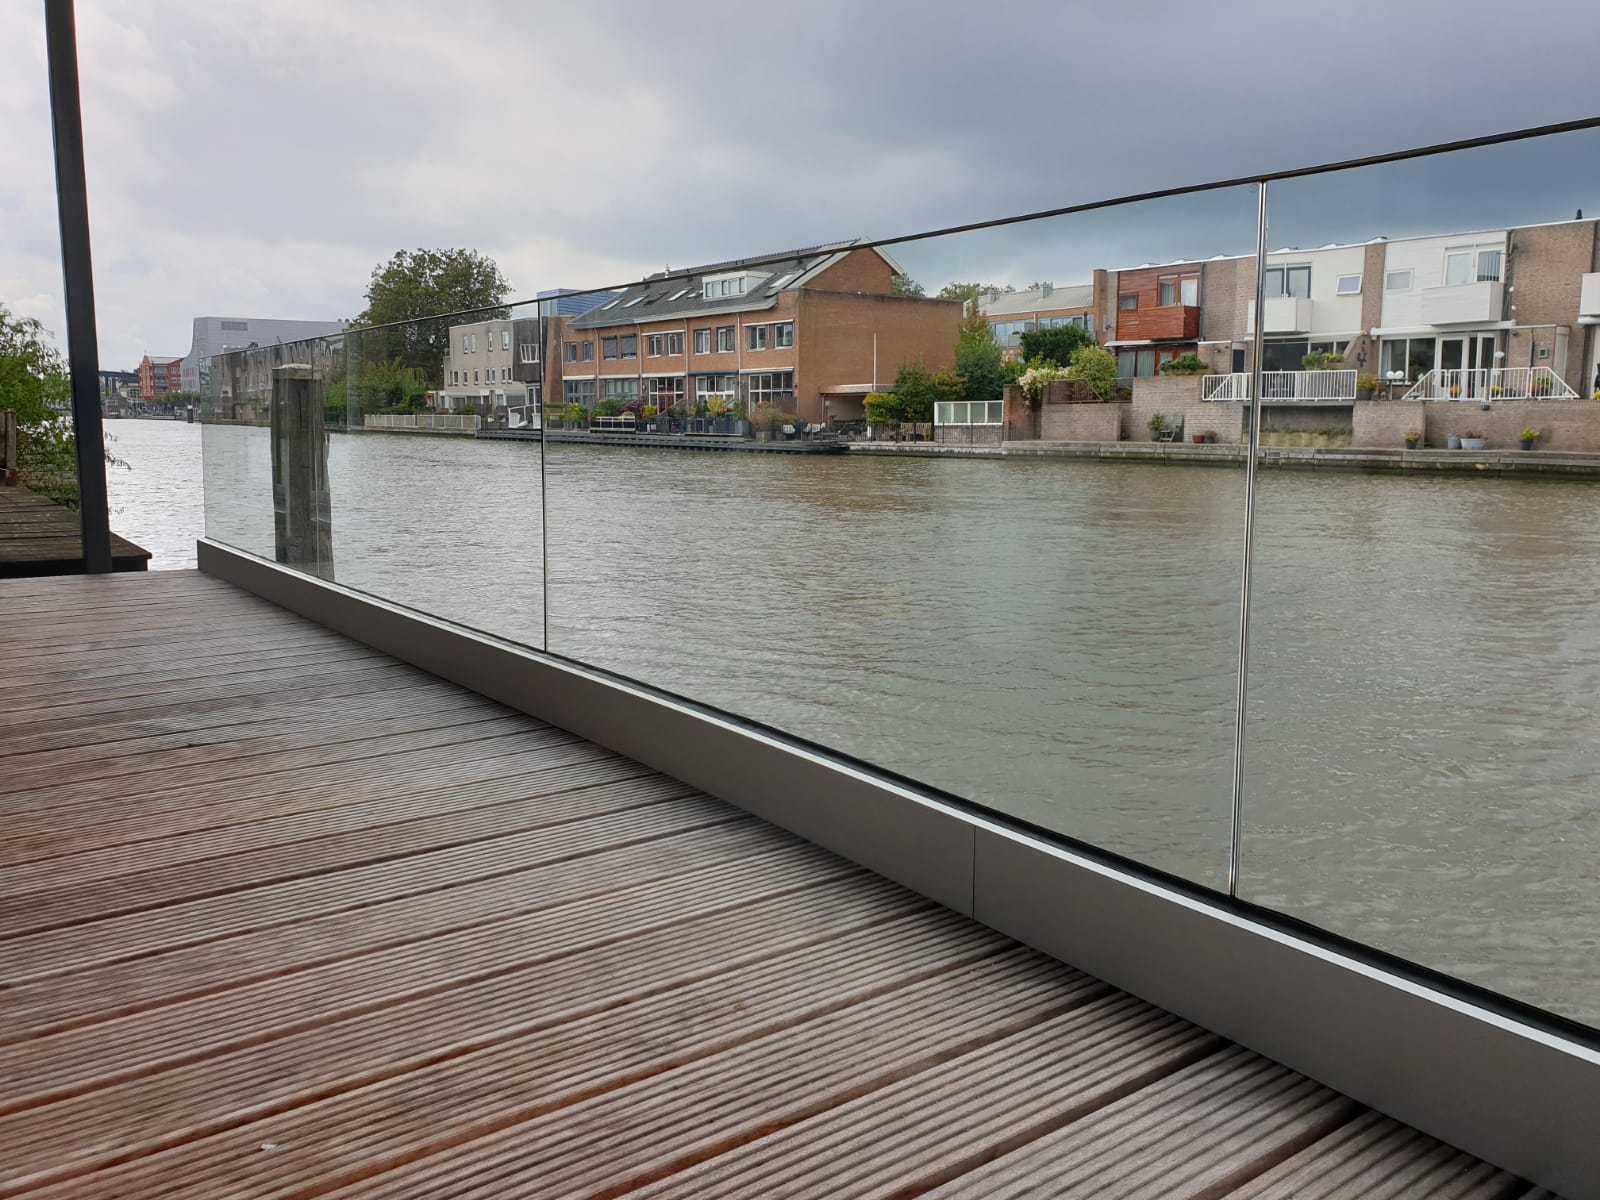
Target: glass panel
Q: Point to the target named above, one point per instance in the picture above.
(330, 455)
(1055, 638)
(1423, 733)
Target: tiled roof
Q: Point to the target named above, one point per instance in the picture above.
(680, 294)
(1034, 300)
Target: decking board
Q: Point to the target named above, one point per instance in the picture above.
(280, 916)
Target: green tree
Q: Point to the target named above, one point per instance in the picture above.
(904, 285)
(34, 385)
(914, 389)
(883, 408)
(1057, 345)
(984, 368)
(416, 287)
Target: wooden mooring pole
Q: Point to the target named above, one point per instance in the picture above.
(302, 517)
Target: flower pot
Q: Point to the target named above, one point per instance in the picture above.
(1363, 394)
(1413, 443)
(1527, 443)
(1452, 442)
(1199, 439)
(1474, 443)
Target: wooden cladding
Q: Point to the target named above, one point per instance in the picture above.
(1166, 304)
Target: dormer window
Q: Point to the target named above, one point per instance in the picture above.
(729, 285)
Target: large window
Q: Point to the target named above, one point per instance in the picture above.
(608, 348)
(588, 351)
(1179, 289)
(1471, 264)
(630, 345)
(529, 351)
(725, 387)
(783, 334)
(975, 412)
(1081, 320)
(717, 289)
(624, 390)
(702, 341)
(657, 344)
(1413, 356)
(570, 351)
(579, 391)
(725, 339)
(757, 335)
(664, 391)
(1288, 281)
(770, 387)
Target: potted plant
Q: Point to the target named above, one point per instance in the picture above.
(1528, 437)
(1540, 386)
(1471, 439)
(1198, 438)
(1413, 438)
(1366, 385)
(1496, 390)
(1455, 391)
(1156, 424)
(1210, 436)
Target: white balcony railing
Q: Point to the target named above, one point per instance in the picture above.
(1491, 383)
(1300, 386)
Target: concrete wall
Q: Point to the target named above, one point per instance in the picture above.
(968, 435)
(1385, 423)
(1081, 422)
(1306, 416)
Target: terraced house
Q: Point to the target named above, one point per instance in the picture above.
(812, 333)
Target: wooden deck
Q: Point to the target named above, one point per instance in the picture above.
(280, 916)
(40, 537)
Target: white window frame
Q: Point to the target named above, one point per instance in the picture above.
(588, 350)
(732, 340)
(653, 344)
(528, 351)
(702, 340)
(1339, 288)
(505, 339)
(783, 335)
(569, 352)
(674, 343)
(756, 338)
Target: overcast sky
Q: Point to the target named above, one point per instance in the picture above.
(257, 160)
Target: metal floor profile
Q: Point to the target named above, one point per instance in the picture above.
(281, 916)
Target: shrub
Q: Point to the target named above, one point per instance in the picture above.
(1097, 367)
(1060, 345)
(1185, 364)
(1157, 422)
(1321, 362)
(883, 408)
(1529, 435)
(1366, 383)
(915, 390)
(1036, 378)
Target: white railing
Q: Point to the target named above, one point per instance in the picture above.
(624, 423)
(438, 422)
(1491, 383)
(1224, 388)
(1283, 385)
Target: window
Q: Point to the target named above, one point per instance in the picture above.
(664, 391)
(1457, 268)
(236, 326)
(474, 343)
(455, 376)
(588, 351)
(1489, 266)
(1328, 348)
(724, 339)
(678, 295)
(1180, 289)
(505, 374)
(634, 301)
(505, 339)
(625, 390)
(723, 386)
(529, 351)
(474, 375)
(579, 391)
(1081, 320)
(569, 351)
(466, 343)
(675, 343)
(702, 341)
(717, 289)
(757, 336)
(608, 348)
(1007, 329)
(1288, 281)
(1412, 356)
(654, 344)
(613, 304)
(770, 387)
(630, 345)
(961, 412)
(1349, 285)
(1397, 281)
(1128, 302)
(783, 334)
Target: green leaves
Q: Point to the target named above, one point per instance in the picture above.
(414, 289)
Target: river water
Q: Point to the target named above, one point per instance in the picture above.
(1057, 640)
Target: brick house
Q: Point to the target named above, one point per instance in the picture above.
(158, 376)
(1157, 317)
(1011, 314)
(811, 333)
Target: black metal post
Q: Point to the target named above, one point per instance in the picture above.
(83, 353)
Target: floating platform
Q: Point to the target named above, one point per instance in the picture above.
(41, 537)
(666, 441)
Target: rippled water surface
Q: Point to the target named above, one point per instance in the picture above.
(1059, 640)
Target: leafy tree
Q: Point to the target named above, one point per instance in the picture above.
(904, 285)
(1057, 345)
(34, 385)
(915, 390)
(971, 291)
(883, 408)
(416, 287)
(984, 369)
(1098, 367)
(377, 387)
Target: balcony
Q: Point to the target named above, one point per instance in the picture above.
(1299, 387)
(1462, 304)
(1171, 322)
(1285, 314)
(1589, 299)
